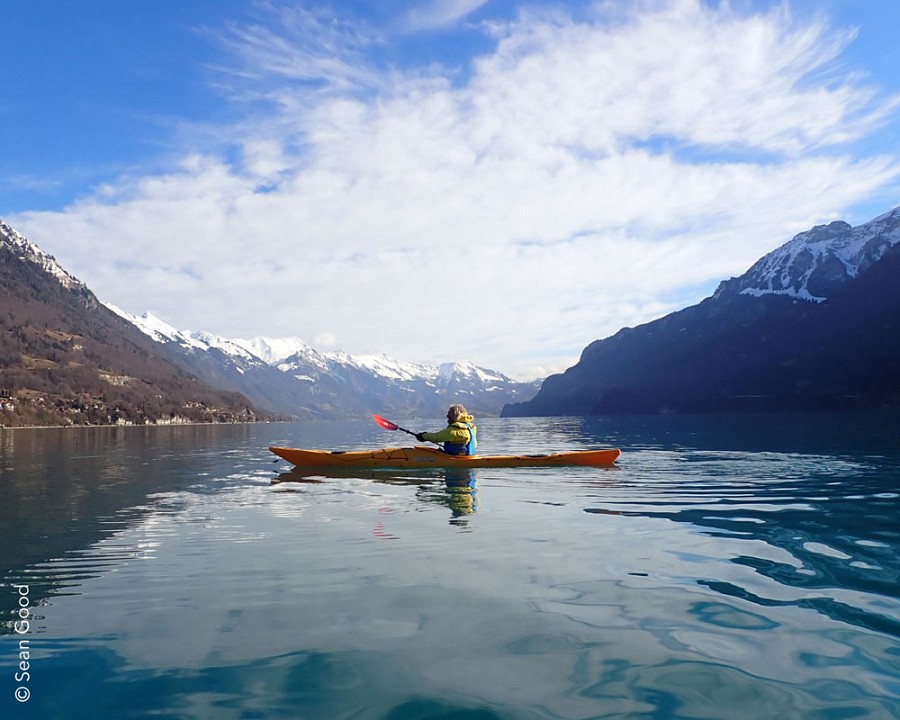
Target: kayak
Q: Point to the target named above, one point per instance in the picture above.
(426, 457)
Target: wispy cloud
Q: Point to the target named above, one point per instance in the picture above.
(440, 13)
(292, 45)
(589, 174)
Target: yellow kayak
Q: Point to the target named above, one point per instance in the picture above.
(427, 457)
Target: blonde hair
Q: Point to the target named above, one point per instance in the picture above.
(457, 413)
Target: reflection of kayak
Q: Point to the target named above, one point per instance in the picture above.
(423, 457)
(419, 476)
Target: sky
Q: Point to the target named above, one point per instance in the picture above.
(498, 181)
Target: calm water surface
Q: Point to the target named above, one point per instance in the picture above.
(730, 567)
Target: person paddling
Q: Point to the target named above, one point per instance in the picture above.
(458, 437)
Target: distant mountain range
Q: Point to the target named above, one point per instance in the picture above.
(288, 376)
(65, 359)
(815, 324)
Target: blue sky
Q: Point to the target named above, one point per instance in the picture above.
(497, 181)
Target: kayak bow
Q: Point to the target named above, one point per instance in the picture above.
(426, 457)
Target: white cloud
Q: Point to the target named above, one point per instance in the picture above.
(588, 175)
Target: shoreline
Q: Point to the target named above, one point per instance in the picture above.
(140, 427)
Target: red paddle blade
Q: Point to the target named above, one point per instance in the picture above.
(386, 424)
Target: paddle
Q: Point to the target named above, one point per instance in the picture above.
(388, 425)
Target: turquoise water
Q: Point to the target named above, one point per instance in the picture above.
(736, 567)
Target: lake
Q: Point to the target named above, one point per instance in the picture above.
(725, 567)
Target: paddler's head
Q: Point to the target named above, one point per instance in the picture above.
(457, 413)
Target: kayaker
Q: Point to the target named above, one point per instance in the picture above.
(458, 437)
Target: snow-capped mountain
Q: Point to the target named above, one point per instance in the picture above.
(817, 262)
(288, 376)
(24, 249)
(815, 324)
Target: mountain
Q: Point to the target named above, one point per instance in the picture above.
(66, 359)
(813, 325)
(288, 376)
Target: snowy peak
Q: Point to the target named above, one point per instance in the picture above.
(23, 248)
(203, 341)
(272, 350)
(380, 365)
(468, 373)
(815, 263)
(148, 324)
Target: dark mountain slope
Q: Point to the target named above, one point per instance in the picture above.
(755, 344)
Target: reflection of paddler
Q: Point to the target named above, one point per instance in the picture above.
(462, 491)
